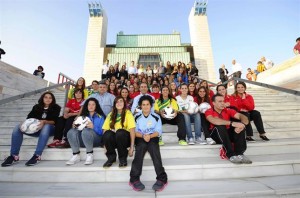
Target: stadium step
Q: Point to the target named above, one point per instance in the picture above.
(265, 187)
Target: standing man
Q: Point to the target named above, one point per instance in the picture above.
(267, 62)
(161, 70)
(148, 128)
(236, 70)
(226, 132)
(132, 69)
(223, 74)
(105, 68)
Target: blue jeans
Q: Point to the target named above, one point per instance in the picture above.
(43, 134)
(189, 118)
(87, 138)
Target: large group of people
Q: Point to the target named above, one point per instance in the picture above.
(126, 111)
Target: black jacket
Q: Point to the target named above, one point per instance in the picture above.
(51, 113)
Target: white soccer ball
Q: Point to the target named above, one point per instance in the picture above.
(30, 126)
(138, 109)
(203, 107)
(81, 122)
(169, 113)
(193, 108)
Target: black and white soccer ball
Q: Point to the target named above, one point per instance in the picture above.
(81, 122)
(169, 113)
(30, 126)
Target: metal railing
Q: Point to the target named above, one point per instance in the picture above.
(30, 93)
(64, 78)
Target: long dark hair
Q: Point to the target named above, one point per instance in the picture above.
(85, 110)
(114, 113)
(206, 97)
(128, 98)
(161, 98)
(115, 91)
(41, 103)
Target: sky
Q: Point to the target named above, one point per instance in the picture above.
(52, 33)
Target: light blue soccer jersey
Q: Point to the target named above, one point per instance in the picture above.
(148, 125)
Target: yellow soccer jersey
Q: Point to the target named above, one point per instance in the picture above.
(161, 105)
(129, 122)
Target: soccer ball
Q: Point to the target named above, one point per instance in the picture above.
(30, 126)
(81, 122)
(203, 107)
(138, 109)
(169, 113)
(193, 108)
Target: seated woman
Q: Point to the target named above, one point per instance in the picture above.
(167, 100)
(64, 123)
(112, 89)
(173, 89)
(228, 99)
(80, 84)
(205, 84)
(118, 133)
(203, 96)
(90, 136)
(192, 90)
(183, 100)
(47, 111)
(245, 105)
(125, 96)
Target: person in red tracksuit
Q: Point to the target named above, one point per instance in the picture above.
(228, 99)
(245, 105)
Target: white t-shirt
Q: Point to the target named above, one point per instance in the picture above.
(268, 63)
(237, 67)
(183, 103)
(131, 70)
(104, 69)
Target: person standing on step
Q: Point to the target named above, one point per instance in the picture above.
(118, 133)
(90, 136)
(236, 70)
(47, 112)
(223, 74)
(166, 100)
(148, 130)
(226, 132)
(245, 105)
(64, 123)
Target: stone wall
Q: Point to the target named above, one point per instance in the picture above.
(14, 81)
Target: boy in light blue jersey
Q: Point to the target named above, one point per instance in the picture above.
(148, 130)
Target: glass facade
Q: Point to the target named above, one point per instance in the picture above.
(149, 59)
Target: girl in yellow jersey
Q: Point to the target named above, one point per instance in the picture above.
(164, 101)
(118, 133)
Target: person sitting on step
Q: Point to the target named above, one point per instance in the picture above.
(166, 100)
(80, 84)
(90, 136)
(118, 133)
(226, 132)
(47, 112)
(64, 123)
(245, 105)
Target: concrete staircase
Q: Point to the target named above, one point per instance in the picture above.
(194, 171)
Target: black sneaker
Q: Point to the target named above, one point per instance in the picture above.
(250, 139)
(159, 185)
(108, 164)
(10, 160)
(123, 164)
(137, 185)
(33, 161)
(264, 138)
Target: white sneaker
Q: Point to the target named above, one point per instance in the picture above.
(89, 159)
(75, 159)
(200, 141)
(210, 141)
(191, 141)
